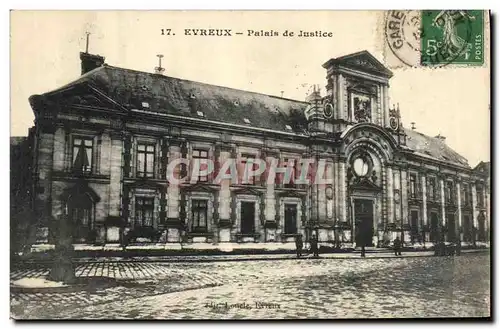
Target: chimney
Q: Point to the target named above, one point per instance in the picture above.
(90, 62)
(441, 138)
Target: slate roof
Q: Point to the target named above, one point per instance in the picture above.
(433, 147)
(176, 96)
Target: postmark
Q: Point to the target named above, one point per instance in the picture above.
(435, 38)
(402, 35)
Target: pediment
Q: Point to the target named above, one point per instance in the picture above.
(291, 193)
(248, 190)
(199, 187)
(80, 188)
(364, 184)
(364, 61)
(84, 96)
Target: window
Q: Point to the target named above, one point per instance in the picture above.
(144, 211)
(145, 160)
(201, 154)
(449, 192)
(465, 195)
(413, 186)
(247, 217)
(252, 166)
(199, 215)
(290, 219)
(432, 189)
(480, 196)
(82, 154)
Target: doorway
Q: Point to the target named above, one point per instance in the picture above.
(247, 217)
(450, 221)
(290, 218)
(414, 226)
(363, 219)
(434, 234)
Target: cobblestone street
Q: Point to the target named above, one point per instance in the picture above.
(278, 289)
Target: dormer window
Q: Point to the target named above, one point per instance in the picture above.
(200, 114)
(192, 96)
(288, 127)
(246, 121)
(236, 103)
(145, 105)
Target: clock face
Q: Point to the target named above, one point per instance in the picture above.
(328, 111)
(361, 167)
(393, 122)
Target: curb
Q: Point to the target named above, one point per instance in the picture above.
(211, 259)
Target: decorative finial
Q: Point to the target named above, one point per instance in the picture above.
(159, 69)
(282, 92)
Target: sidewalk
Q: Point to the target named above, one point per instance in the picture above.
(370, 253)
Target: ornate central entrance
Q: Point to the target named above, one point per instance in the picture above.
(363, 221)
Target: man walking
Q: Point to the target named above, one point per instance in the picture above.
(299, 245)
(397, 246)
(314, 245)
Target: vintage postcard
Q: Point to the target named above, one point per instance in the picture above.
(252, 165)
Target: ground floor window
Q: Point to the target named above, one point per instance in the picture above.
(247, 217)
(481, 229)
(144, 208)
(434, 227)
(414, 236)
(290, 218)
(450, 227)
(467, 228)
(199, 215)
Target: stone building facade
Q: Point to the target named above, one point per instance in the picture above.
(103, 144)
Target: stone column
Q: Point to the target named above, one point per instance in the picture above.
(424, 206)
(343, 190)
(173, 223)
(59, 149)
(404, 203)
(43, 188)
(474, 212)
(486, 195)
(115, 165)
(443, 211)
(224, 152)
(390, 195)
(459, 211)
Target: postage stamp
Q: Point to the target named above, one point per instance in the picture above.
(434, 38)
(452, 37)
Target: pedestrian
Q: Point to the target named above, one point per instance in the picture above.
(299, 244)
(458, 246)
(363, 251)
(397, 246)
(125, 238)
(314, 246)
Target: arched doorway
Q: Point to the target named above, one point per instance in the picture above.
(80, 215)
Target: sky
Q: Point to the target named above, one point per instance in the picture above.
(45, 46)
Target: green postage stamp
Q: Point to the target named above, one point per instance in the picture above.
(435, 38)
(452, 37)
